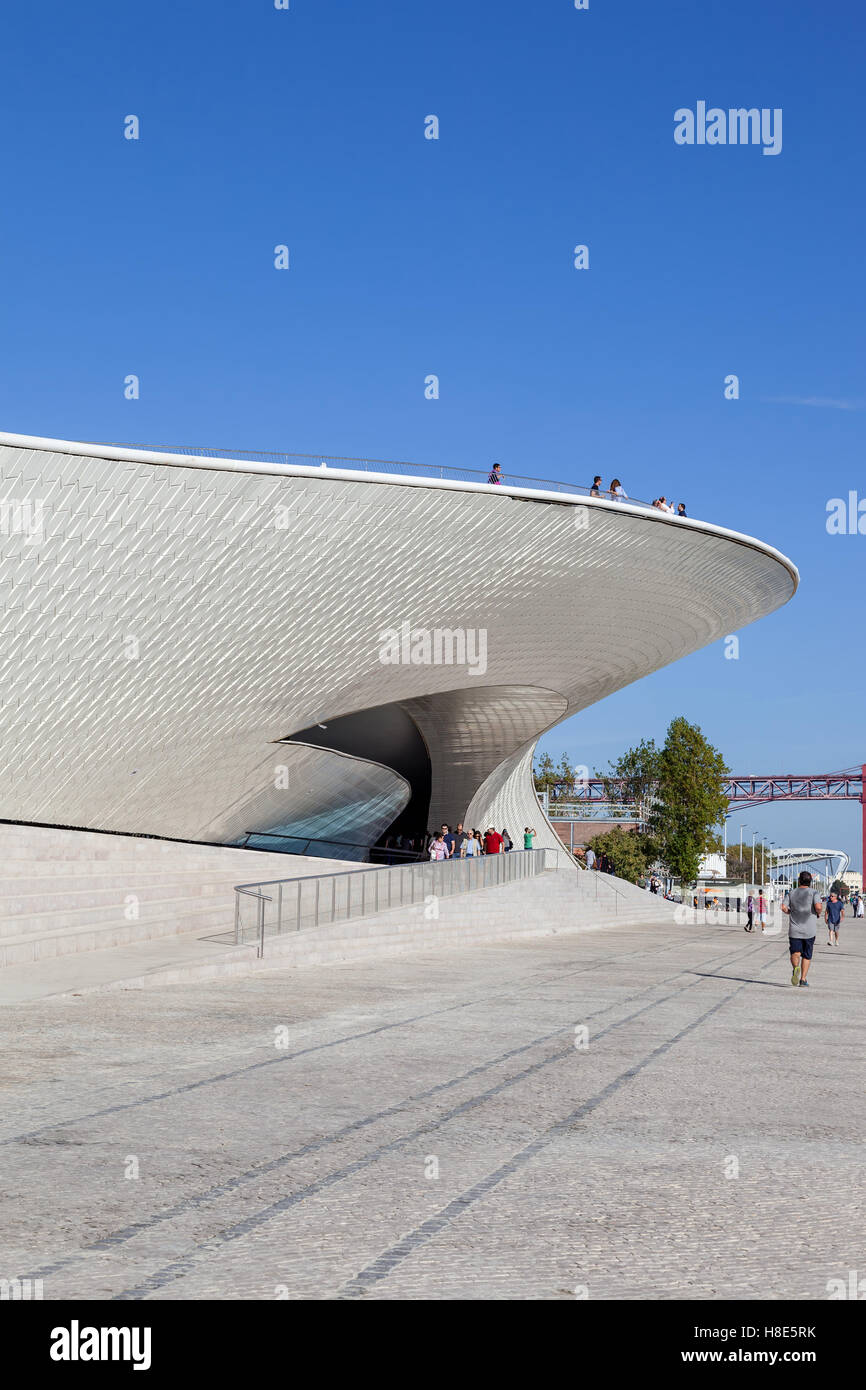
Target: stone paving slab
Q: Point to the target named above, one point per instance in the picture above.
(425, 1127)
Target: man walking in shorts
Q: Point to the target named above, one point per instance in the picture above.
(802, 911)
(834, 916)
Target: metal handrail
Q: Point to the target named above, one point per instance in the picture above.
(417, 470)
(389, 887)
(262, 899)
(601, 881)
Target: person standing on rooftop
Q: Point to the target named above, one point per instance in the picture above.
(595, 490)
(495, 474)
(617, 491)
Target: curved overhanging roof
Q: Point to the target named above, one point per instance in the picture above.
(174, 617)
(212, 462)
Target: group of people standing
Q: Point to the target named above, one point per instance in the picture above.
(466, 844)
(616, 492)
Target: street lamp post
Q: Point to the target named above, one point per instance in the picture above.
(742, 828)
(754, 838)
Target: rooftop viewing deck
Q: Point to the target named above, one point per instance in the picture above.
(401, 468)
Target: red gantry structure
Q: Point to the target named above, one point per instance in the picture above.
(754, 789)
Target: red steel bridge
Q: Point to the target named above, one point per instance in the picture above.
(753, 790)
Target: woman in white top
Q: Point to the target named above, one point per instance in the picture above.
(617, 491)
(437, 848)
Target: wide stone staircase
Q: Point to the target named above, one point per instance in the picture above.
(65, 891)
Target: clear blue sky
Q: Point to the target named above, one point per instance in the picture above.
(454, 257)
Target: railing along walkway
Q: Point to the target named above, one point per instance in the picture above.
(298, 904)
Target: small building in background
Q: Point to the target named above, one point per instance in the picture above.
(712, 866)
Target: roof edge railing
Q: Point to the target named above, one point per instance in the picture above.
(442, 472)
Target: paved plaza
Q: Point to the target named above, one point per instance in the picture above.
(624, 1113)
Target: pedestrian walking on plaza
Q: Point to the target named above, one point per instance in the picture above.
(507, 841)
(446, 835)
(471, 845)
(459, 838)
(750, 914)
(590, 857)
(528, 837)
(762, 909)
(802, 909)
(834, 916)
(495, 474)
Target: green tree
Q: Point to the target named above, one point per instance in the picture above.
(739, 869)
(630, 851)
(640, 769)
(689, 802)
(545, 774)
(565, 773)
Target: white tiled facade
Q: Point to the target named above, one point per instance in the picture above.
(171, 619)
